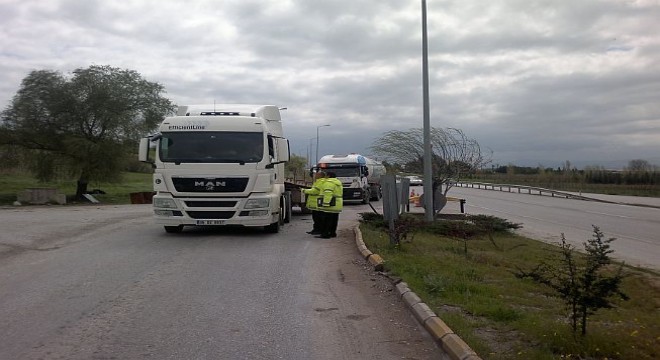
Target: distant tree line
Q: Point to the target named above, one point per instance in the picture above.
(638, 172)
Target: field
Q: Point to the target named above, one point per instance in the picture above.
(568, 183)
(471, 285)
(14, 182)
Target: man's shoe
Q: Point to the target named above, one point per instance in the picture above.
(314, 232)
(333, 235)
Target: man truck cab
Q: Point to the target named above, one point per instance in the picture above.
(219, 165)
(359, 175)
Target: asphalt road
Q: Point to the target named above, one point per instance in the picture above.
(104, 282)
(636, 228)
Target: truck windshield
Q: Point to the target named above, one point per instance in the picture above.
(211, 147)
(345, 171)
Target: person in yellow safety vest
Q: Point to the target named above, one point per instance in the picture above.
(331, 204)
(312, 202)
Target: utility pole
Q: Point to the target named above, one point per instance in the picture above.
(428, 175)
(317, 141)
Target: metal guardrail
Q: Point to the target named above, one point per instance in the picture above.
(528, 189)
(544, 192)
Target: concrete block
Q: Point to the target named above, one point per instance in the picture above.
(402, 288)
(437, 328)
(364, 251)
(456, 348)
(422, 312)
(59, 199)
(40, 196)
(410, 298)
(376, 261)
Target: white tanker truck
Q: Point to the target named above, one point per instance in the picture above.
(359, 174)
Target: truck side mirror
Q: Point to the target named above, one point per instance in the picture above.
(283, 150)
(143, 153)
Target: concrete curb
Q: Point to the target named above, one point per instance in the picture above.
(451, 343)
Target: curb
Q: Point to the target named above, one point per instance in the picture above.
(451, 343)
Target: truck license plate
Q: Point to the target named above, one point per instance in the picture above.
(210, 222)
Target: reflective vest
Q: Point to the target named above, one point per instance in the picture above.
(332, 192)
(313, 194)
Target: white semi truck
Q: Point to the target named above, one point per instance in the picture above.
(359, 174)
(220, 165)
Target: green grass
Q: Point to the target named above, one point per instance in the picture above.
(503, 317)
(11, 183)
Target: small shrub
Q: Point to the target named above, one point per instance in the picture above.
(403, 227)
(434, 284)
(493, 223)
(458, 229)
(374, 219)
(583, 284)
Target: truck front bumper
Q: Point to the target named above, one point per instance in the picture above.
(353, 194)
(212, 211)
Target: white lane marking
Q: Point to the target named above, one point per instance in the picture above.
(606, 214)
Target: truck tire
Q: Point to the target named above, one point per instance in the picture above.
(376, 194)
(367, 197)
(287, 207)
(173, 229)
(273, 228)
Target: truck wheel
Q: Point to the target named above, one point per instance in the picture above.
(273, 228)
(173, 229)
(367, 197)
(287, 207)
(376, 194)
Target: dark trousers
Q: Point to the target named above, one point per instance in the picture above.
(316, 220)
(329, 222)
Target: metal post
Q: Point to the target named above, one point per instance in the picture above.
(428, 176)
(317, 141)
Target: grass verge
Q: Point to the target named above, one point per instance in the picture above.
(471, 285)
(115, 193)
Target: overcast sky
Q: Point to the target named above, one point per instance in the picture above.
(537, 82)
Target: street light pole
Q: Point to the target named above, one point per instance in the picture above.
(317, 140)
(428, 176)
(310, 152)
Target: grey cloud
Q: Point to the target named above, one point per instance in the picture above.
(535, 81)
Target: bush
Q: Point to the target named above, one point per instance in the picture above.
(493, 223)
(585, 284)
(373, 219)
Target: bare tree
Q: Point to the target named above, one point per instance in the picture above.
(639, 165)
(454, 154)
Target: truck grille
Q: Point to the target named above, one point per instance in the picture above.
(220, 204)
(210, 185)
(210, 214)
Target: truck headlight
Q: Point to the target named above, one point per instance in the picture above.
(164, 203)
(257, 203)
